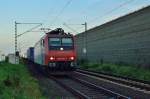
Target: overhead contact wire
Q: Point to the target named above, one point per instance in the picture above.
(61, 11)
(121, 5)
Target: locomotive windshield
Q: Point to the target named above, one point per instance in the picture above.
(57, 43)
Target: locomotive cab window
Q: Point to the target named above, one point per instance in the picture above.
(54, 41)
(67, 42)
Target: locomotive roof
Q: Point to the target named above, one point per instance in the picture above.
(59, 35)
(59, 32)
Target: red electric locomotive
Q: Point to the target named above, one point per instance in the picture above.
(56, 50)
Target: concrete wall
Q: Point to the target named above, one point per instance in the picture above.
(125, 40)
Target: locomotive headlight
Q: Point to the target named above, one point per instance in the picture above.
(61, 49)
(52, 58)
(72, 58)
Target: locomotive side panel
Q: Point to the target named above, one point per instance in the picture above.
(46, 50)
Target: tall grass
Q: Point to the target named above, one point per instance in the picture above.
(16, 83)
(120, 70)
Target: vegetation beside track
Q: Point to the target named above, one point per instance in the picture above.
(119, 70)
(17, 83)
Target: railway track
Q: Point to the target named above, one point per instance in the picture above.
(83, 88)
(86, 90)
(140, 85)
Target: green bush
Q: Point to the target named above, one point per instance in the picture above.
(94, 65)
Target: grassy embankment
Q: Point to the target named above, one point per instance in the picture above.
(17, 83)
(120, 70)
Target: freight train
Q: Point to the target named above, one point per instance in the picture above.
(55, 51)
(30, 54)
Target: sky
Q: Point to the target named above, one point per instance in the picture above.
(54, 14)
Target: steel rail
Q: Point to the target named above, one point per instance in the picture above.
(109, 92)
(121, 80)
(72, 90)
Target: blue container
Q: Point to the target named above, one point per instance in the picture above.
(30, 54)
